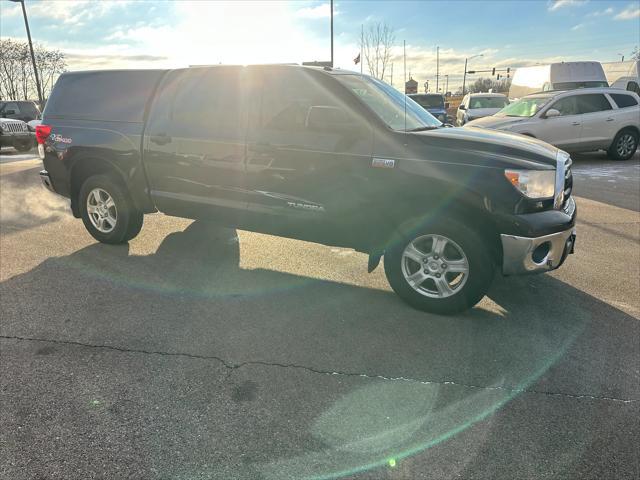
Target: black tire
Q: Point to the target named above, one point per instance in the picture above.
(617, 151)
(480, 269)
(128, 218)
(23, 146)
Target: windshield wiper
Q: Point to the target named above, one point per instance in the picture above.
(422, 129)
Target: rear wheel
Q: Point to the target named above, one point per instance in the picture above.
(107, 211)
(624, 145)
(442, 269)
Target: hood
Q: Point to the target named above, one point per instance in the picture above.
(497, 122)
(473, 144)
(10, 120)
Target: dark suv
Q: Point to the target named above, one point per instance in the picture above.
(316, 154)
(19, 110)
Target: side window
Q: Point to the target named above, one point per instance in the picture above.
(566, 106)
(623, 101)
(287, 98)
(208, 104)
(593, 103)
(633, 87)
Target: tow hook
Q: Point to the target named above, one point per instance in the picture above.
(374, 260)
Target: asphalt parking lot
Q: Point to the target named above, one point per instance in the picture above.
(197, 352)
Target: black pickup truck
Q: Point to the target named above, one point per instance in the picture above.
(317, 154)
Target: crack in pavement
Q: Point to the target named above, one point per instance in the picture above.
(233, 367)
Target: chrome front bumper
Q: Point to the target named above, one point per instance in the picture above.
(541, 254)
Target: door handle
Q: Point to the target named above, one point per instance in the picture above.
(609, 119)
(160, 139)
(576, 123)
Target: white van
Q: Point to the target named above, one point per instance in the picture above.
(624, 75)
(557, 76)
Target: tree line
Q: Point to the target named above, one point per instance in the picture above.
(17, 79)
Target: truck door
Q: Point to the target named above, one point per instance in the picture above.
(308, 154)
(195, 144)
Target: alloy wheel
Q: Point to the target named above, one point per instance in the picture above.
(435, 266)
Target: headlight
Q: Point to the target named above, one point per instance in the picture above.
(533, 183)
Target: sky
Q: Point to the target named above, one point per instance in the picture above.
(146, 34)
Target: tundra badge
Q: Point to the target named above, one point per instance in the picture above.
(383, 163)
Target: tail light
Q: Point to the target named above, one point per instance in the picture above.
(42, 132)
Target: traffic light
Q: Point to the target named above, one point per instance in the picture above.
(493, 71)
(498, 78)
(471, 71)
(508, 70)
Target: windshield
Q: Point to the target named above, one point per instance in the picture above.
(488, 102)
(428, 101)
(576, 85)
(525, 107)
(389, 104)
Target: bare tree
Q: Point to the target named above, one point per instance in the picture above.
(17, 79)
(635, 55)
(377, 44)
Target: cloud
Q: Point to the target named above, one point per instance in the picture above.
(558, 4)
(628, 13)
(578, 26)
(319, 11)
(601, 13)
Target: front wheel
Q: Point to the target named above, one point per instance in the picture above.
(108, 213)
(443, 269)
(624, 145)
(23, 146)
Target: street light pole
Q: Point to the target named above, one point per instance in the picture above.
(332, 34)
(464, 77)
(437, 67)
(33, 57)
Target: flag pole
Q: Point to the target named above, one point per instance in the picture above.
(361, 46)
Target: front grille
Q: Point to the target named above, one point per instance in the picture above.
(568, 180)
(14, 127)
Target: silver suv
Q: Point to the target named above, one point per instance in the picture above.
(575, 120)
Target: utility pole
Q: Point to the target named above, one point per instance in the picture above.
(331, 32)
(464, 78)
(33, 57)
(446, 89)
(438, 67)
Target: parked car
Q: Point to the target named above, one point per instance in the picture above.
(321, 155)
(478, 105)
(576, 120)
(433, 103)
(19, 110)
(557, 76)
(16, 134)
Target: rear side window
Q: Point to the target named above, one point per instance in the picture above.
(117, 95)
(209, 104)
(596, 102)
(623, 101)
